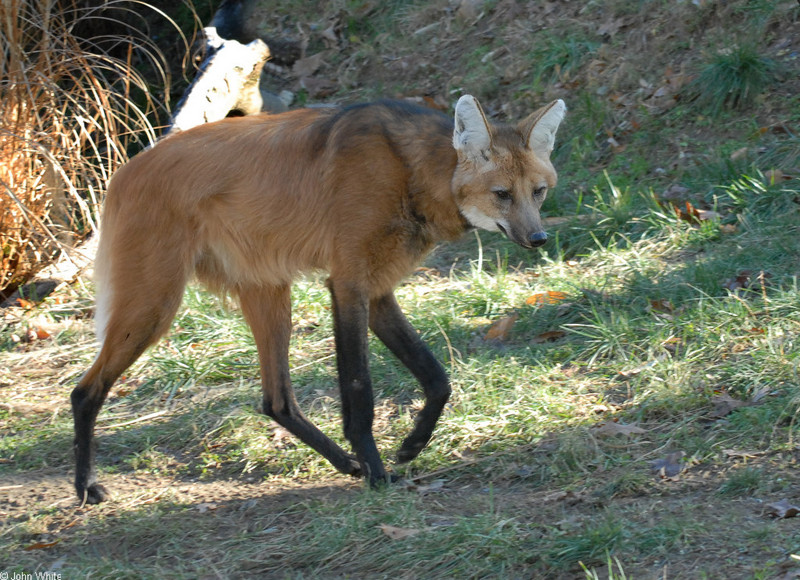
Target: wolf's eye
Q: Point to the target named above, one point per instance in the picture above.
(539, 191)
(502, 194)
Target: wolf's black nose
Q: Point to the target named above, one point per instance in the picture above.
(538, 239)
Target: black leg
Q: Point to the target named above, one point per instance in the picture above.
(85, 407)
(123, 345)
(350, 315)
(390, 325)
(267, 310)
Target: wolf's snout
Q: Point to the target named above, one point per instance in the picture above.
(537, 239)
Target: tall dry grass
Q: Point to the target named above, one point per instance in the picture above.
(71, 111)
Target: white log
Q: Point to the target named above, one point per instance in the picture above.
(228, 81)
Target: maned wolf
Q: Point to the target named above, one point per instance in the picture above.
(246, 204)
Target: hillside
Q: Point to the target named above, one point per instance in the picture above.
(657, 91)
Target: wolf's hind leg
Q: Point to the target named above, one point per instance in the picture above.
(132, 326)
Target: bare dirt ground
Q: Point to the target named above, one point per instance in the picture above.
(223, 507)
(231, 506)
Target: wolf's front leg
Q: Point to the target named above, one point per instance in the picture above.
(267, 310)
(350, 318)
(390, 325)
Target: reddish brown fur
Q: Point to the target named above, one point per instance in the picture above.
(248, 203)
(202, 201)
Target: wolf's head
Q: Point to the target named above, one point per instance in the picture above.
(504, 172)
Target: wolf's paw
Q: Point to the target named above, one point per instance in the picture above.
(409, 450)
(92, 494)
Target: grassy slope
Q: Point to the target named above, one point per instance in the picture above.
(661, 323)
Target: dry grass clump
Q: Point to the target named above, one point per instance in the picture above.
(71, 110)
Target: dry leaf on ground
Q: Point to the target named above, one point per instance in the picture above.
(613, 428)
(501, 327)
(41, 546)
(724, 405)
(747, 279)
(549, 336)
(668, 466)
(694, 215)
(549, 297)
(662, 305)
(396, 533)
(774, 176)
(782, 509)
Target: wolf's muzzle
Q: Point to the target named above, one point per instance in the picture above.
(537, 239)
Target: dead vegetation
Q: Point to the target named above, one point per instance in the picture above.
(71, 110)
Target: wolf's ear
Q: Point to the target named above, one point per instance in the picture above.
(471, 135)
(540, 128)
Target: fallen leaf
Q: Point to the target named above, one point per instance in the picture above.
(693, 215)
(204, 507)
(306, 67)
(40, 546)
(281, 436)
(610, 428)
(741, 454)
(662, 305)
(740, 282)
(611, 27)
(792, 574)
(41, 333)
(669, 466)
(760, 393)
(672, 345)
(436, 485)
(318, 88)
(555, 496)
(24, 303)
(569, 497)
(705, 215)
(396, 533)
(330, 35)
(501, 327)
(630, 373)
(549, 336)
(549, 297)
(782, 509)
(661, 92)
(724, 405)
(774, 176)
(616, 147)
(281, 433)
(777, 128)
(739, 154)
(745, 279)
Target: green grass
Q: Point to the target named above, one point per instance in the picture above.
(733, 78)
(742, 481)
(650, 330)
(522, 412)
(649, 336)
